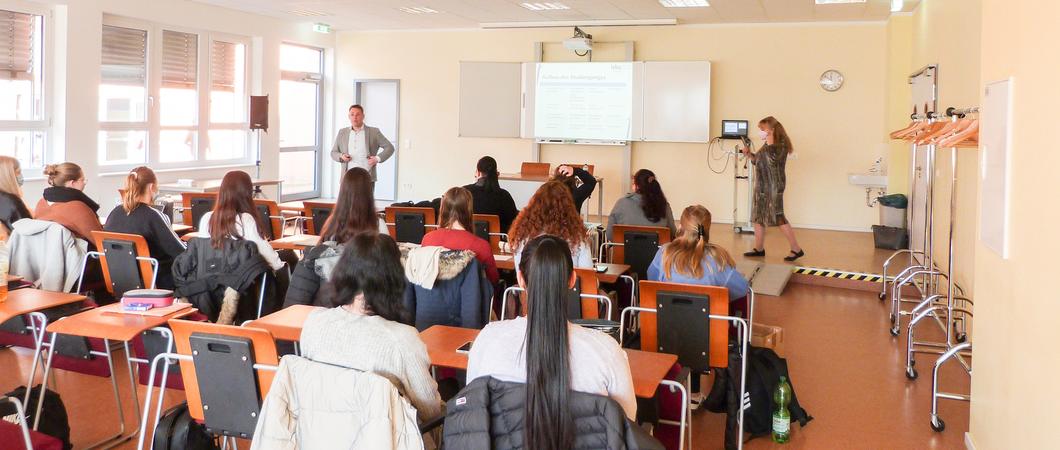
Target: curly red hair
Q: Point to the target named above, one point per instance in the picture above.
(550, 211)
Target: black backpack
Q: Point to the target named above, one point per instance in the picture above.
(764, 369)
(176, 430)
(53, 420)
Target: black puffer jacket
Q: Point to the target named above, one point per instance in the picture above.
(202, 273)
(489, 414)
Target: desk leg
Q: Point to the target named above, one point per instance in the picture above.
(38, 322)
(44, 382)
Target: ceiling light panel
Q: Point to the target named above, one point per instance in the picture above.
(544, 6)
(684, 3)
(417, 10)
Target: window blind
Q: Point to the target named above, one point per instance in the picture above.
(180, 58)
(124, 56)
(224, 64)
(16, 45)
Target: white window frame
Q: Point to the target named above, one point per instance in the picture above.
(202, 124)
(42, 125)
(320, 146)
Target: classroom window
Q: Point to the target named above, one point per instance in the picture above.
(301, 103)
(172, 98)
(23, 128)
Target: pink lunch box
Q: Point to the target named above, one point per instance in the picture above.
(158, 298)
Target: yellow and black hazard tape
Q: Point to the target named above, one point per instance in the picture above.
(840, 274)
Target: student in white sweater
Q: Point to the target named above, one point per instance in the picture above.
(546, 351)
(233, 217)
(364, 328)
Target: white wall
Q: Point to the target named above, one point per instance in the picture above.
(75, 68)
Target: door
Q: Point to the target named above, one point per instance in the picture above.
(381, 99)
(301, 114)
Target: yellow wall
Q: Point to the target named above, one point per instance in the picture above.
(946, 33)
(1015, 355)
(757, 70)
(899, 97)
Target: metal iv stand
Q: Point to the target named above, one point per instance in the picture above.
(741, 226)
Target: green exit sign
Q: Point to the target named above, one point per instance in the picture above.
(322, 28)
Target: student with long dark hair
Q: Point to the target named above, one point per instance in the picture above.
(489, 197)
(64, 201)
(354, 213)
(548, 353)
(234, 217)
(364, 325)
(645, 206)
(135, 215)
(455, 221)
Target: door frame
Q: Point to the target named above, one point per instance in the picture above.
(396, 139)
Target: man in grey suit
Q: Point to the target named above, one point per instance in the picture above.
(359, 145)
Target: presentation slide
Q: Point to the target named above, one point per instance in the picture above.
(592, 101)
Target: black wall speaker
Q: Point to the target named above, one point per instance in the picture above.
(259, 112)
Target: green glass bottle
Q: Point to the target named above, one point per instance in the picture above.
(781, 417)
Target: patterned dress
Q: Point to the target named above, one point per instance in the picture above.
(768, 206)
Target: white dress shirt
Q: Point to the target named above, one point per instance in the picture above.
(358, 146)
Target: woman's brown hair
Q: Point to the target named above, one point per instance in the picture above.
(780, 136)
(354, 209)
(685, 253)
(234, 197)
(137, 184)
(457, 207)
(60, 174)
(550, 211)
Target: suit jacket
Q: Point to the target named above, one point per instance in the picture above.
(375, 141)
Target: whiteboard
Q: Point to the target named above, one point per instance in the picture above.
(676, 101)
(490, 99)
(994, 151)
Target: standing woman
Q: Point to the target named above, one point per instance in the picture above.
(12, 208)
(65, 202)
(489, 197)
(135, 215)
(767, 209)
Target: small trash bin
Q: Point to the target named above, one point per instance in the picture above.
(891, 238)
(892, 210)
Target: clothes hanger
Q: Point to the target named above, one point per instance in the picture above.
(968, 135)
(935, 129)
(950, 128)
(912, 131)
(897, 134)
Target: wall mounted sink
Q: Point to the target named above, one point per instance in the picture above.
(868, 180)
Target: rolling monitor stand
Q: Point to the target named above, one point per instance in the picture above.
(743, 174)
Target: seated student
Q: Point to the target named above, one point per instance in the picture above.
(452, 233)
(135, 215)
(645, 206)
(234, 217)
(546, 351)
(364, 327)
(551, 211)
(488, 195)
(354, 212)
(580, 182)
(12, 208)
(65, 202)
(692, 259)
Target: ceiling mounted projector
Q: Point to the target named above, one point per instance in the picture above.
(580, 43)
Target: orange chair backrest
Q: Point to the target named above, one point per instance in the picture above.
(146, 271)
(719, 306)
(619, 235)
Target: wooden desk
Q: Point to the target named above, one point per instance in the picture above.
(182, 229)
(25, 301)
(523, 186)
(506, 261)
(299, 206)
(295, 242)
(205, 186)
(647, 368)
(285, 324)
(111, 325)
